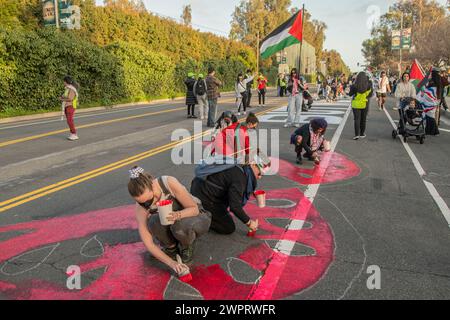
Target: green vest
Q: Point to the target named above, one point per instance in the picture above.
(360, 101)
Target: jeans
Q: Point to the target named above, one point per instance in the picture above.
(212, 113)
(294, 109)
(360, 121)
(202, 106)
(262, 96)
(184, 231)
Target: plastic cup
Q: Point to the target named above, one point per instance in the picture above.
(164, 210)
(261, 198)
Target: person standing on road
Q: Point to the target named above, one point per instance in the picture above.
(70, 104)
(202, 99)
(241, 91)
(295, 89)
(262, 89)
(283, 84)
(361, 91)
(213, 94)
(191, 99)
(383, 89)
(190, 220)
(250, 83)
(405, 91)
(444, 85)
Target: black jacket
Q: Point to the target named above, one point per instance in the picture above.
(354, 91)
(306, 135)
(190, 97)
(226, 187)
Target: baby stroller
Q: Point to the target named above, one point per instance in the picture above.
(412, 121)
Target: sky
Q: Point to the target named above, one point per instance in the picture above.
(348, 21)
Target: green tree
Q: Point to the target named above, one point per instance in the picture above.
(422, 17)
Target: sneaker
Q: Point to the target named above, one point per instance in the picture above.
(299, 161)
(287, 125)
(238, 113)
(187, 254)
(72, 137)
(356, 138)
(363, 137)
(194, 117)
(171, 252)
(297, 125)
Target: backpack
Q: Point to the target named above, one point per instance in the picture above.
(200, 88)
(214, 165)
(360, 100)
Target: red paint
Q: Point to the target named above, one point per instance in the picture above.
(164, 203)
(129, 276)
(333, 168)
(186, 278)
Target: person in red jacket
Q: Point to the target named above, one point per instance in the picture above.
(262, 89)
(234, 141)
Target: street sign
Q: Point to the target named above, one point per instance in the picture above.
(406, 39)
(396, 39)
(48, 12)
(69, 15)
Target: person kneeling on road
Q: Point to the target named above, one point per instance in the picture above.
(310, 138)
(190, 220)
(223, 186)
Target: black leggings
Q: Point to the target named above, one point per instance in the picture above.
(222, 221)
(360, 121)
(262, 96)
(191, 109)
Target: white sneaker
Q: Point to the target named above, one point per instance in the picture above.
(363, 137)
(72, 137)
(238, 113)
(297, 125)
(286, 125)
(356, 138)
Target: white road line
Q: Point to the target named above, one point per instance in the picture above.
(446, 130)
(431, 188)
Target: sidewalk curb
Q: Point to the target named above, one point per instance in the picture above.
(86, 110)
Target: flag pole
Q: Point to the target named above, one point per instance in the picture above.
(301, 43)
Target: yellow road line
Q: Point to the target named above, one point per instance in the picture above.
(51, 133)
(39, 193)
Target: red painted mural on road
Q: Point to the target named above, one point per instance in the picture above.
(128, 275)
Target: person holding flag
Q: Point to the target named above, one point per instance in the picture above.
(428, 96)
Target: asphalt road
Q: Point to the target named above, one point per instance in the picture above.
(366, 207)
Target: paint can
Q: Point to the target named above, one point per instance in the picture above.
(260, 198)
(164, 210)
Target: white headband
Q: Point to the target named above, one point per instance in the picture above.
(136, 172)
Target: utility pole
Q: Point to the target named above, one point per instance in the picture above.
(257, 53)
(401, 45)
(301, 44)
(56, 13)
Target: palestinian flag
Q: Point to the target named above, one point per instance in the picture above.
(417, 75)
(288, 34)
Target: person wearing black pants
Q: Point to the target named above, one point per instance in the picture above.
(248, 99)
(191, 99)
(227, 189)
(361, 91)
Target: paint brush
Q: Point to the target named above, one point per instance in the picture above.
(185, 276)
